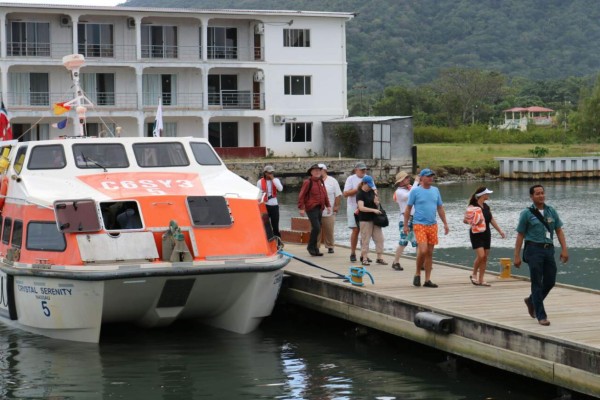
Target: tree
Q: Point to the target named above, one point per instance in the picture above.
(587, 118)
(462, 91)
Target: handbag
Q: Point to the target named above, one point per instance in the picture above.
(381, 219)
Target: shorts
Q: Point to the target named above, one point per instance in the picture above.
(482, 239)
(410, 237)
(426, 234)
(352, 218)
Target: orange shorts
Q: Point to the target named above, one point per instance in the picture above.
(426, 233)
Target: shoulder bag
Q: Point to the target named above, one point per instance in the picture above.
(381, 219)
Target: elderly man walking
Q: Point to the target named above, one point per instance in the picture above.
(334, 193)
(427, 201)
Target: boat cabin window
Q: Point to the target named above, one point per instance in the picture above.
(19, 159)
(17, 234)
(152, 155)
(204, 154)
(121, 215)
(76, 215)
(47, 157)
(209, 211)
(6, 230)
(43, 236)
(100, 155)
(4, 160)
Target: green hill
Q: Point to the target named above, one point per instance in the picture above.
(406, 42)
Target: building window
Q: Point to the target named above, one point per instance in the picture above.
(295, 84)
(159, 41)
(222, 89)
(223, 134)
(29, 88)
(222, 43)
(159, 85)
(31, 39)
(298, 132)
(296, 37)
(95, 40)
(99, 88)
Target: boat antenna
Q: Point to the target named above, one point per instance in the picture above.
(73, 63)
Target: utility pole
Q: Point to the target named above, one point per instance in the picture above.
(361, 88)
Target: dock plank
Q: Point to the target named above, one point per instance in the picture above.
(495, 317)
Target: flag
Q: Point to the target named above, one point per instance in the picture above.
(61, 124)
(158, 122)
(61, 108)
(5, 129)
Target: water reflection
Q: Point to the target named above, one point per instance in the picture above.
(578, 203)
(292, 356)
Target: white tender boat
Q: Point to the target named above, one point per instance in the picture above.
(141, 230)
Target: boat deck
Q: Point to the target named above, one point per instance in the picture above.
(490, 324)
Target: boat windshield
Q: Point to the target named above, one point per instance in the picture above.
(152, 155)
(100, 155)
(204, 154)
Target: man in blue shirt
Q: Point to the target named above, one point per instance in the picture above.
(536, 227)
(428, 203)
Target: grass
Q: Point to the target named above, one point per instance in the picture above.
(480, 157)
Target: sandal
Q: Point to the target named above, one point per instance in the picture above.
(381, 261)
(484, 284)
(366, 263)
(397, 267)
(368, 259)
(473, 280)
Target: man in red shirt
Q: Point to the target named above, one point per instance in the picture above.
(312, 200)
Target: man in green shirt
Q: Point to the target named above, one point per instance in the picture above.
(537, 225)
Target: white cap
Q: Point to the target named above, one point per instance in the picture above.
(323, 166)
(486, 191)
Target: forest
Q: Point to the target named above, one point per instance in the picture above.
(405, 56)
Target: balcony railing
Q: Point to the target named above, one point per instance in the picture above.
(103, 100)
(118, 52)
(237, 100)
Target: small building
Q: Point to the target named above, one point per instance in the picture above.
(520, 117)
(382, 138)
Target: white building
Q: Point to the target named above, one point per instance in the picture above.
(253, 82)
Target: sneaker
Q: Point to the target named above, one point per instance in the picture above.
(430, 284)
(417, 280)
(330, 251)
(353, 257)
(397, 267)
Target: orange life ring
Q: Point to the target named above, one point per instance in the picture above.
(3, 190)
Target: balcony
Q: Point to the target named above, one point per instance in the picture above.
(235, 53)
(173, 100)
(236, 100)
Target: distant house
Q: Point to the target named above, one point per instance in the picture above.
(520, 117)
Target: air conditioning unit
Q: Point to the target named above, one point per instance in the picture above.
(131, 23)
(259, 28)
(259, 76)
(65, 21)
(278, 119)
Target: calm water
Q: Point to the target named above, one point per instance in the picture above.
(295, 354)
(578, 204)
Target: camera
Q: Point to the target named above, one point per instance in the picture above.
(269, 197)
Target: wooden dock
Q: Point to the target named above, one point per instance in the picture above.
(491, 325)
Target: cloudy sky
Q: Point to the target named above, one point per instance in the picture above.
(67, 2)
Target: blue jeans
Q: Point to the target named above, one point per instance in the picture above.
(542, 271)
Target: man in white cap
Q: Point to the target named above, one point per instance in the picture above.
(334, 193)
(270, 186)
(350, 190)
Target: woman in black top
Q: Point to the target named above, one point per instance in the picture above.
(368, 206)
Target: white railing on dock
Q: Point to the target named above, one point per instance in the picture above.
(549, 167)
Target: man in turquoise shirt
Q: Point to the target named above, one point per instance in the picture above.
(536, 227)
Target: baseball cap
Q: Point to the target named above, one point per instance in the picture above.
(360, 165)
(426, 172)
(369, 181)
(323, 166)
(269, 168)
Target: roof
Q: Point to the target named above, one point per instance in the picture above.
(368, 119)
(286, 13)
(529, 109)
